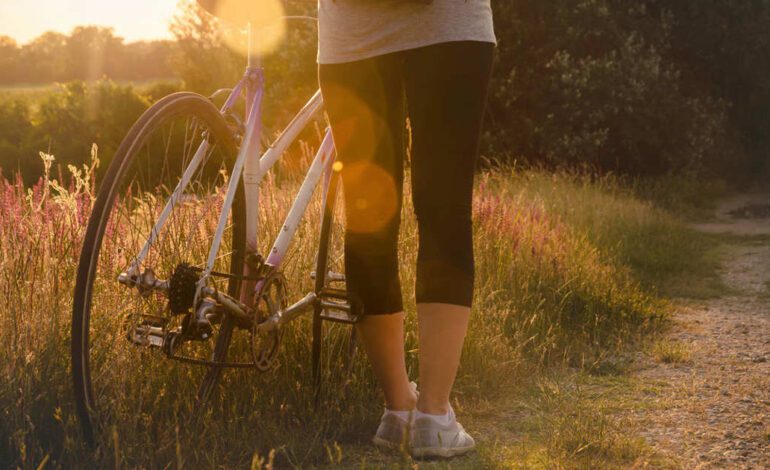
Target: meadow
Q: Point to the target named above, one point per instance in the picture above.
(571, 271)
(576, 271)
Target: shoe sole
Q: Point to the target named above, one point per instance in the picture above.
(424, 452)
(440, 452)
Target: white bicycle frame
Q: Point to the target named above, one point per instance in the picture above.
(251, 166)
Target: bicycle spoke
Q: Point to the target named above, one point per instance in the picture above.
(119, 317)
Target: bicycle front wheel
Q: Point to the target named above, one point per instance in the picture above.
(119, 372)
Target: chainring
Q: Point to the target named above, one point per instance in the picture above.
(271, 300)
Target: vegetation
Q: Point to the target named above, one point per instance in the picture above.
(596, 107)
(671, 352)
(69, 119)
(87, 53)
(601, 95)
(642, 87)
(722, 50)
(556, 288)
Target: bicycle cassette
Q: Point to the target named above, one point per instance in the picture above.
(181, 288)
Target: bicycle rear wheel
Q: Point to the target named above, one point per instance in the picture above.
(116, 376)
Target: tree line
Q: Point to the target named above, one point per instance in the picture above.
(87, 53)
(636, 87)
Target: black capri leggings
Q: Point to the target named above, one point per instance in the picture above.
(442, 88)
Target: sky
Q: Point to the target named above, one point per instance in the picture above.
(132, 20)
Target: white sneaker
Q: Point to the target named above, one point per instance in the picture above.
(431, 438)
(393, 432)
(394, 429)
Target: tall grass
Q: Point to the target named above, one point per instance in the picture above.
(563, 276)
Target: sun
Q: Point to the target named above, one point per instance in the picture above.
(263, 17)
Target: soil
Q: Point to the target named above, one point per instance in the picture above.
(713, 410)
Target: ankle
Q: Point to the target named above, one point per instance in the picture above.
(432, 407)
(407, 402)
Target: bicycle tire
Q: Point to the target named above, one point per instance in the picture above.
(326, 242)
(207, 121)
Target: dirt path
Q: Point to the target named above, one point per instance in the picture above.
(712, 410)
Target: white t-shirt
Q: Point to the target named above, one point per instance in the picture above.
(350, 30)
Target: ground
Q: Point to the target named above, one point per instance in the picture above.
(711, 404)
(697, 397)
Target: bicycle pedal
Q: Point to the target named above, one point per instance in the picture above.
(332, 293)
(338, 316)
(148, 334)
(336, 307)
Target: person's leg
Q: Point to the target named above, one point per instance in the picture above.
(364, 101)
(446, 89)
(442, 329)
(382, 336)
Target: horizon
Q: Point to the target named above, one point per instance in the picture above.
(139, 20)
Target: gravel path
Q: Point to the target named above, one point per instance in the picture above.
(714, 411)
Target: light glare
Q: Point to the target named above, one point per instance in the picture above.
(265, 17)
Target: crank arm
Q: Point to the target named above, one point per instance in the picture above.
(288, 314)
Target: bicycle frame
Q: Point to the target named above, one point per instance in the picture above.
(261, 305)
(250, 167)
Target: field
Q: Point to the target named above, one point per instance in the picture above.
(621, 300)
(569, 272)
(32, 91)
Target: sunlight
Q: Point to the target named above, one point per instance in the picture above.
(265, 18)
(135, 20)
(376, 207)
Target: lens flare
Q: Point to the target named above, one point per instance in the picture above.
(372, 198)
(375, 199)
(268, 27)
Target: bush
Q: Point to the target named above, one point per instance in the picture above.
(67, 121)
(79, 115)
(157, 90)
(589, 85)
(722, 48)
(14, 123)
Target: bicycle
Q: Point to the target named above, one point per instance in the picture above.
(188, 287)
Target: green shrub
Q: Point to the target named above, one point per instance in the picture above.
(67, 121)
(15, 121)
(589, 84)
(723, 50)
(156, 90)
